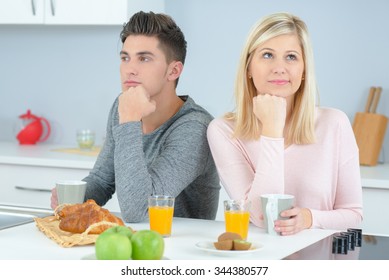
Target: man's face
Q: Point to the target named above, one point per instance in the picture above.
(142, 62)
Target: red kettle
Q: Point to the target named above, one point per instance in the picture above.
(32, 129)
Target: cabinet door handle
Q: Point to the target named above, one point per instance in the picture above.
(33, 7)
(31, 189)
(52, 4)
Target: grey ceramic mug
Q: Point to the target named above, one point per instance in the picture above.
(70, 191)
(272, 206)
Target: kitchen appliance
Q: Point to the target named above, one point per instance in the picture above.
(373, 247)
(369, 129)
(31, 128)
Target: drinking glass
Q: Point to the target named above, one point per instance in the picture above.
(161, 210)
(237, 216)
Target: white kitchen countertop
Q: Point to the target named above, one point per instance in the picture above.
(375, 176)
(43, 154)
(27, 242)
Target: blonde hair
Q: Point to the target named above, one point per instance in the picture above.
(247, 125)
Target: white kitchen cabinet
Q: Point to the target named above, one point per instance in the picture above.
(85, 12)
(28, 173)
(31, 185)
(64, 12)
(375, 211)
(22, 11)
(74, 12)
(375, 186)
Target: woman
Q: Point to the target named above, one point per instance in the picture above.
(278, 141)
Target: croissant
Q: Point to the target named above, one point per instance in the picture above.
(78, 217)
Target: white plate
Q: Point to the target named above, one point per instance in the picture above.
(209, 247)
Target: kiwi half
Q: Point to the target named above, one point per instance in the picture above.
(225, 245)
(241, 245)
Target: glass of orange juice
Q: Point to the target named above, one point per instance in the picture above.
(161, 209)
(237, 216)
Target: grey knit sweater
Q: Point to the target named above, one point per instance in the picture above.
(174, 160)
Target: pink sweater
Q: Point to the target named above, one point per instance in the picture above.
(324, 176)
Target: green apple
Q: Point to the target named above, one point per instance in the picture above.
(121, 229)
(114, 244)
(147, 245)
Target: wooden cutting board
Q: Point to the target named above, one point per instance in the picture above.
(369, 129)
(94, 152)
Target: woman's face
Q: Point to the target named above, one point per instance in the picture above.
(277, 66)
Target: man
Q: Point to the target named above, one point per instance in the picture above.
(156, 141)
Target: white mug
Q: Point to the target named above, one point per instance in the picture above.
(70, 191)
(272, 206)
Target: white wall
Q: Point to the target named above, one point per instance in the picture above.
(70, 75)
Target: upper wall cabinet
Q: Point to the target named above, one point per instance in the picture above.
(77, 12)
(85, 11)
(21, 11)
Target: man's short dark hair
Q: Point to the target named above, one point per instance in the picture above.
(163, 27)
